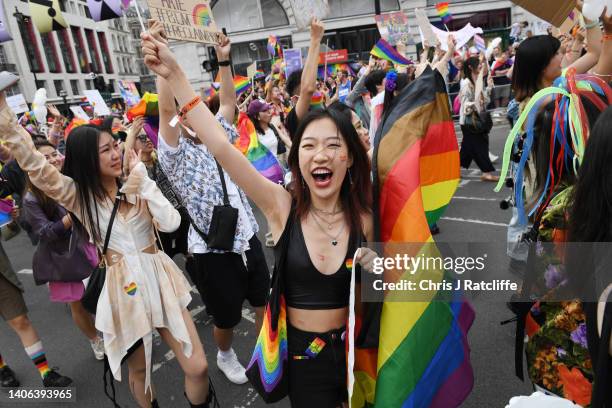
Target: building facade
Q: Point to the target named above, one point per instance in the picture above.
(67, 61)
(350, 25)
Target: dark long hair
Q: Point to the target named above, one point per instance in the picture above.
(469, 65)
(82, 164)
(532, 57)
(591, 203)
(356, 197)
(48, 205)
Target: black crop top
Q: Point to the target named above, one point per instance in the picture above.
(305, 286)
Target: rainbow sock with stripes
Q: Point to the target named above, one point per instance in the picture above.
(37, 354)
(2, 365)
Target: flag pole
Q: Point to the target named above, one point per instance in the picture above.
(139, 16)
(325, 61)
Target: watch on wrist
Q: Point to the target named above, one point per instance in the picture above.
(224, 63)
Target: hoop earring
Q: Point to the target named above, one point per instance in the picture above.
(350, 178)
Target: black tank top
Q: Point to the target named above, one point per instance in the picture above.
(305, 286)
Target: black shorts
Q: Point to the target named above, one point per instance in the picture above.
(319, 380)
(225, 282)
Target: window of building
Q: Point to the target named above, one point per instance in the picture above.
(111, 85)
(242, 15)
(344, 8)
(31, 45)
(74, 85)
(93, 51)
(89, 84)
(59, 86)
(108, 65)
(66, 50)
(48, 42)
(41, 84)
(79, 46)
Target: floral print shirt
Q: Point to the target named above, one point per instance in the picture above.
(193, 172)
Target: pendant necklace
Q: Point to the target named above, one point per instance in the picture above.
(334, 239)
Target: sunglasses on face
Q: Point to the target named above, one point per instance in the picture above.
(142, 138)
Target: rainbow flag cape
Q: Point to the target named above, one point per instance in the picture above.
(413, 354)
(443, 12)
(384, 50)
(241, 84)
(332, 70)
(148, 108)
(259, 156)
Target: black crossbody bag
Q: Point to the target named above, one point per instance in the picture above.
(222, 223)
(98, 276)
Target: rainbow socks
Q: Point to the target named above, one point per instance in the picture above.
(2, 365)
(37, 354)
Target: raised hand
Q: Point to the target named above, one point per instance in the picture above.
(317, 29)
(137, 125)
(158, 57)
(52, 109)
(133, 159)
(224, 48)
(157, 31)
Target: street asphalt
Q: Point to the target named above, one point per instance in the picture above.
(473, 215)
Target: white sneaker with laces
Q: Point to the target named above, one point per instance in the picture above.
(231, 367)
(97, 346)
(7, 79)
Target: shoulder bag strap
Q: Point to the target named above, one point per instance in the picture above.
(225, 196)
(118, 200)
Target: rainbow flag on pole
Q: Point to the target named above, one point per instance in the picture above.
(241, 84)
(415, 354)
(259, 156)
(384, 50)
(147, 107)
(273, 46)
(443, 12)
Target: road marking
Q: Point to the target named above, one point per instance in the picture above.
(475, 198)
(463, 183)
(497, 224)
(25, 272)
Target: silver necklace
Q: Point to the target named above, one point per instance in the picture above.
(330, 225)
(326, 212)
(334, 239)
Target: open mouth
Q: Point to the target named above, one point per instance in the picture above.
(322, 176)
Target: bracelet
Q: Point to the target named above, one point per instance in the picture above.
(606, 37)
(189, 106)
(224, 63)
(594, 24)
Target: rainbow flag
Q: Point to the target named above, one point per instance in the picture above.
(384, 50)
(6, 207)
(443, 12)
(332, 70)
(259, 74)
(74, 123)
(147, 107)
(272, 46)
(241, 84)
(317, 100)
(259, 156)
(415, 354)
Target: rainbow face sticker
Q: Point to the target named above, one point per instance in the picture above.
(130, 289)
(315, 347)
(201, 15)
(349, 264)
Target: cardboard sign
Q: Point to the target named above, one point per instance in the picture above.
(553, 11)
(79, 112)
(305, 10)
(427, 34)
(570, 21)
(186, 20)
(129, 92)
(293, 60)
(462, 36)
(394, 28)
(333, 56)
(17, 103)
(252, 69)
(98, 103)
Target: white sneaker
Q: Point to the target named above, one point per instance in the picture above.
(7, 79)
(97, 346)
(493, 157)
(231, 367)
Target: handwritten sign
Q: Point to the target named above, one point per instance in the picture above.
(186, 20)
(427, 34)
(393, 27)
(305, 10)
(17, 103)
(96, 100)
(79, 112)
(293, 60)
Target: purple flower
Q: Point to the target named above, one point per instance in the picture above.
(553, 276)
(579, 336)
(561, 352)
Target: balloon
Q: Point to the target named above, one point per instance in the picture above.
(39, 106)
(593, 9)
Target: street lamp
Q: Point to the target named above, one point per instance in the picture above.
(21, 19)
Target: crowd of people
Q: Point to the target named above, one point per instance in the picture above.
(107, 193)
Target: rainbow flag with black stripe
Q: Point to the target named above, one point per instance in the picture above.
(416, 353)
(384, 50)
(260, 157)
(443, 12)
(147, 107)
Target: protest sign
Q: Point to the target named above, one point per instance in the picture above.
(96, 100)
(252, 70)
(393, 27)
(186, 20)
(462, 36)
(305, 10)
(553, 11)
(129, 92)
(78, 112)
(427, 34)
(333, 57)
(17, 103)
(293, 60)
(4, 34)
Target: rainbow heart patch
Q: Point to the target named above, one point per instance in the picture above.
(130, 289)
(349, 264)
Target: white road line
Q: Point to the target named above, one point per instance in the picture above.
(25, 272)
(475, 198)
(463, 183)
(497, 224)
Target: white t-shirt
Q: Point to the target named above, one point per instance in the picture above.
(269, 140)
